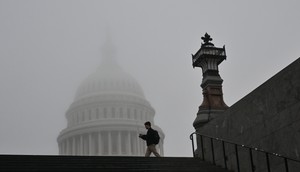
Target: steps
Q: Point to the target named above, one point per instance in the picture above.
(31, 163)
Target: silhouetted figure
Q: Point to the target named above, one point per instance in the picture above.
(152, 138)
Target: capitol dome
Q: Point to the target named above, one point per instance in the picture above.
(108, 114)
(109, 78)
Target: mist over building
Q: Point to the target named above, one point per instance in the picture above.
(108, 113)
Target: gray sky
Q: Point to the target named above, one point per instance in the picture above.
(47, 48)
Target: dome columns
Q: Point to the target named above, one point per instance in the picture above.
(108, 143)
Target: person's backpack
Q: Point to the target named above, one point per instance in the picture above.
(156, 137)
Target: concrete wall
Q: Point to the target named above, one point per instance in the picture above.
(268, 118)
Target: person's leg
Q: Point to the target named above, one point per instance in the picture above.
(148, 152)
(153, 149)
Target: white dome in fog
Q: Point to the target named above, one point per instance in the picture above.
(108, 114)
(109, 78)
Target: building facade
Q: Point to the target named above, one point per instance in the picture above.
(108, 114)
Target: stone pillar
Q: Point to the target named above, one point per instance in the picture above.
(90, 144)
(77, 145)
(119, 143)
(138, 141)
(129, 143)
(64, 147)
(99, 144)
(69, 146)
(81, 145)
(161, 147)
(142, 147)
(109, 143)
(73, 145)
(59, 149)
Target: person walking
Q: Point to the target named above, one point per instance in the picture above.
(151, 138)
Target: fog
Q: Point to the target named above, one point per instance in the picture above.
(47, 48)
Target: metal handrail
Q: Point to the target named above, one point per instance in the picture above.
(251, 149)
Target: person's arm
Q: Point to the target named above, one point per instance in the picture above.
(144, 137)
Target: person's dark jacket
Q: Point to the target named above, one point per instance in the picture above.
(149, 137)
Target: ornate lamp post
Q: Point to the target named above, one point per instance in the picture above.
(208, 57)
